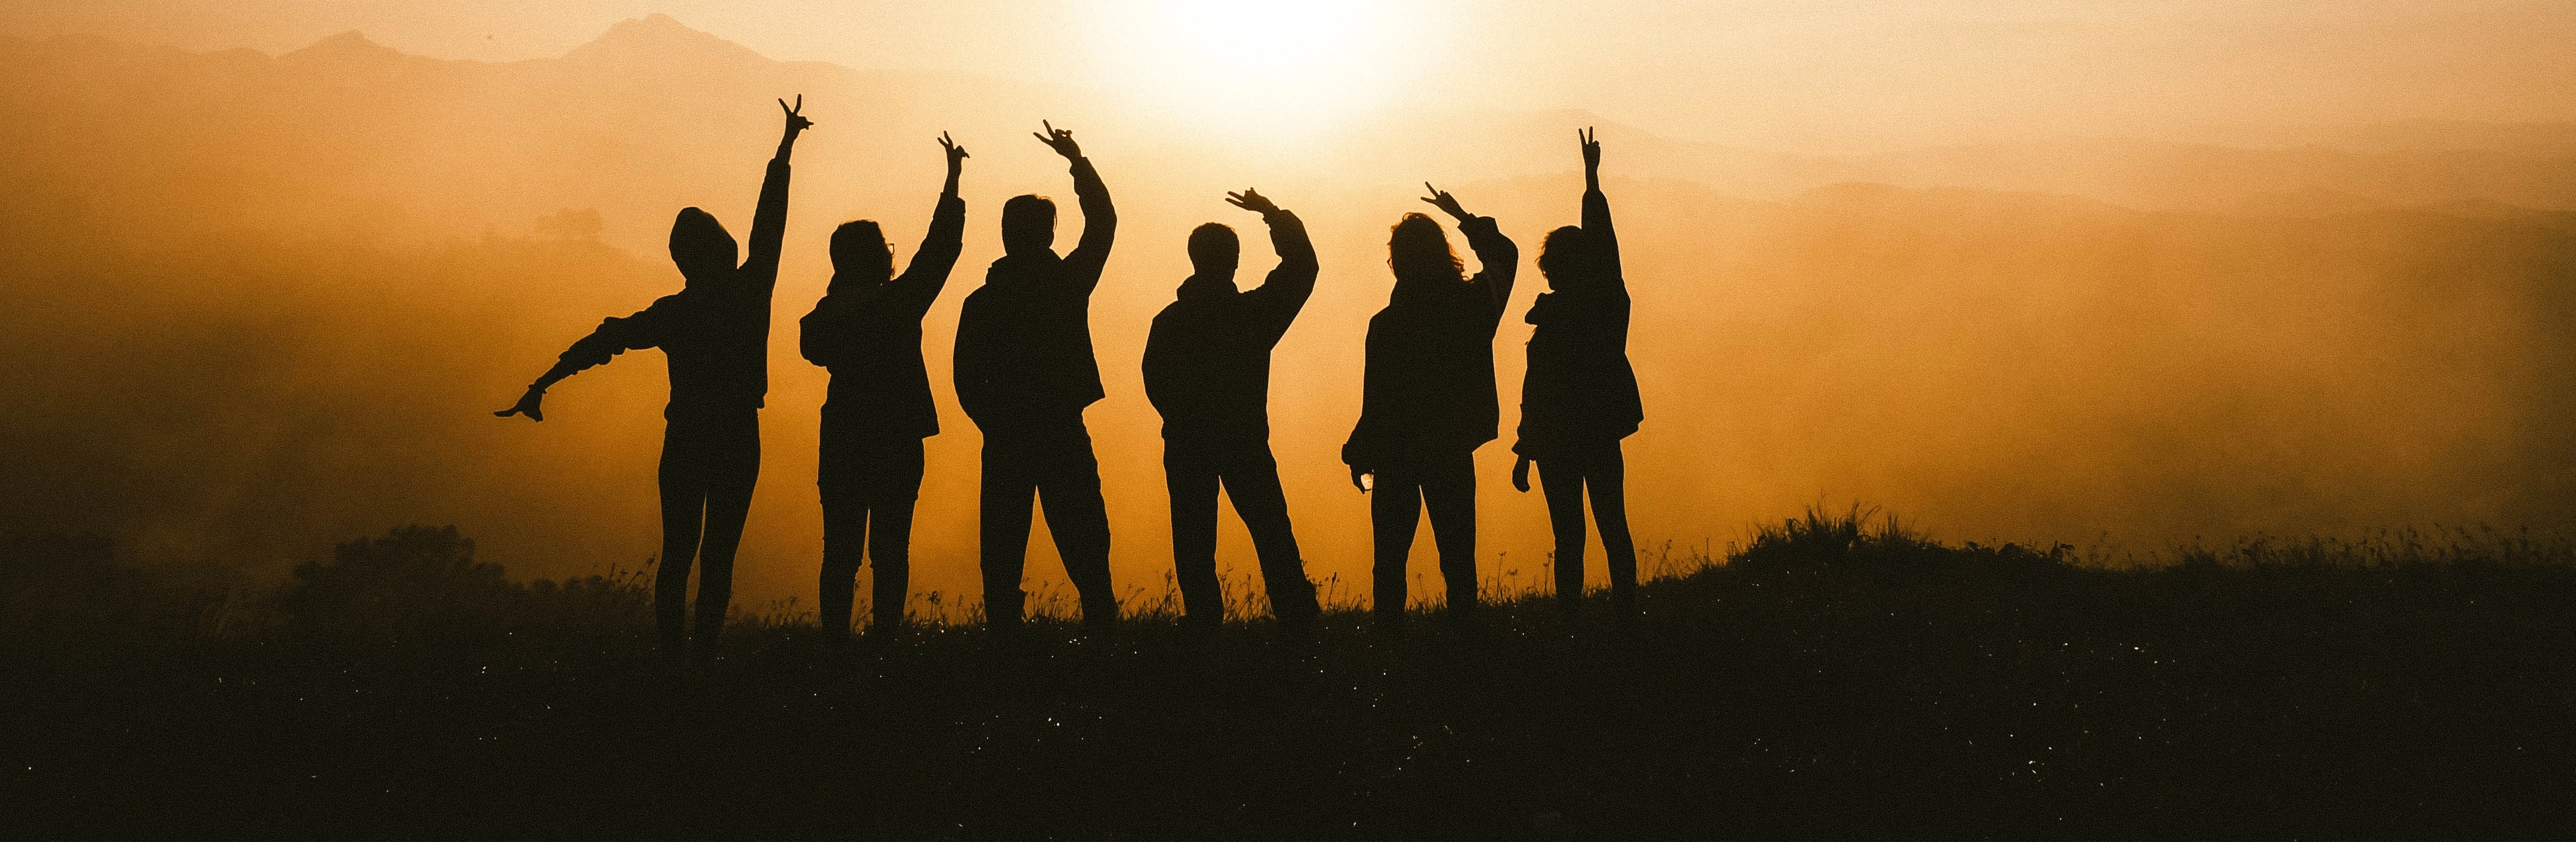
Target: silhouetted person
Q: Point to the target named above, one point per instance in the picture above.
(1580, 396)
(1024, 373)
(1207, 370)
(867, 330)
(1428, 401)
(715, 331)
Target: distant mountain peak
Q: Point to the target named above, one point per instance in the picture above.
(346, 46)
(659, 37)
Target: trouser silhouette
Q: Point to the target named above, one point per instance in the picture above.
(1444, 483)
(1565, 474)
(710, 461)
(1052, 463)
(869, 484)
(1192, 471)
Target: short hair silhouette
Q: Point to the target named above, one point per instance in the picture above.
(1215, 250)
(1028, 224)
(700, 246)
(1418, 250)
(859, 251)
(1565, 258)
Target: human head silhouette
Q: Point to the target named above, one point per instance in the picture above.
(1214, 251)
(1419, 253)
(1028, 224)
(1565, 257)
(860, 253)
(700, 246)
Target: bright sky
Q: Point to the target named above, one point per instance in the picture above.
(1778, 72)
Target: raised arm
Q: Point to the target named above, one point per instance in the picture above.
(1499, 260)
(769, 219)
(614, 336)
(1099, 218)
(1597, 232)
(1285, 291)
(928, 273)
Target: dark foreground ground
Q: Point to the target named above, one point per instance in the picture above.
(1827, 685)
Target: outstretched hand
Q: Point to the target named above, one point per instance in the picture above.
(1590, 139)
(1520, 474)
(955, 152)
(796, 121)
(1447, 203)
(1060, 139)
(1253, 201)
(531, 404)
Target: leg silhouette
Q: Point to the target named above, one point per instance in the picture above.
(1562, 481)
(1193, 484)
(1252, 482)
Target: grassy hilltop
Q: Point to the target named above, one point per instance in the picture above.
(1834, 679)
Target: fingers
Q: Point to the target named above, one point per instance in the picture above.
(506, 412)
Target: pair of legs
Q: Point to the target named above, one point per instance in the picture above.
(1444, 483)
(710, 461)
(1565, 475)
(1193, 471)
(1053, 464)
(869, 484)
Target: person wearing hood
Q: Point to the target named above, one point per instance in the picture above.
(1025, 371)
(1207, 370)
(1428, 400)
(715, 332)
(1579, 397)
(867, 331)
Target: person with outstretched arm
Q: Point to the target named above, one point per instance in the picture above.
(1580, 395)
(715, 332)
(867, 331)
(1025, 371)
(1428, 400)
(1207, 370)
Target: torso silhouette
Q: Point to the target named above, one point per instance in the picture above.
(716, 331)
(1024, 337)
(870, 338)
(1429, 376)
(1207, 359)
(1579, 388)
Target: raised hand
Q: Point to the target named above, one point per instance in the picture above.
(955, 152)
(1591, 148)
(531, 404)
(1441, 199)
(1253, 201)
(796, 121)
(1060, 139)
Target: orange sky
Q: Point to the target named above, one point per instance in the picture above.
(1768, 72)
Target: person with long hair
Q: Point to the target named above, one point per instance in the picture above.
(1428, 400)
(1579, 397)
(867, 331)
(715, 331)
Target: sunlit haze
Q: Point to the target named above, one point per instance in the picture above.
(2116, 274)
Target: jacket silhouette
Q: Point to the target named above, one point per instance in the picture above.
(867, 331)
(1428, 399)
(1579, 397)
(715, 333)
(1207, 370)
(1025, 371)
